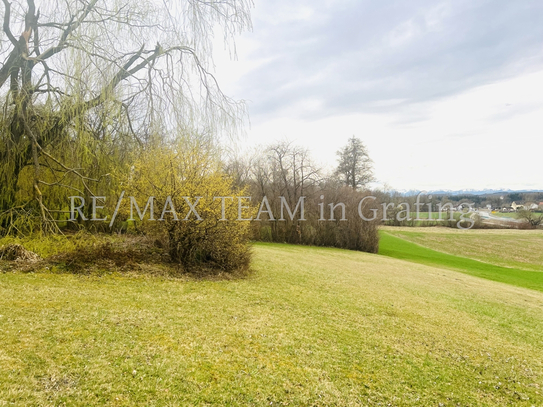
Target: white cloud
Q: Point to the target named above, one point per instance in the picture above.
(444, 95)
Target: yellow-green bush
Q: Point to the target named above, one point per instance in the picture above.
(182, 173)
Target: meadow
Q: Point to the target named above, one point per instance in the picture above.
(521, 249)
(310, 326)
(510, 215)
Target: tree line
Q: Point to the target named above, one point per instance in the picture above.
(283, 172)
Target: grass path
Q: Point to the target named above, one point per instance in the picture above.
(310, 327)
(399, 248)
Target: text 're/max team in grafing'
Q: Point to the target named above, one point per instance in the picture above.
(402, 212)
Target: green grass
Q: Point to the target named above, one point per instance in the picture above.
(512, 215)
(425, 220)
(435, 215)
(519, 249)
(50, 245)
(310, 327)
(399, 248)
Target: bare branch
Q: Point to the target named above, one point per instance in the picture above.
(7, 30)
(70, 28)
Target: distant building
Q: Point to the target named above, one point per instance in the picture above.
(516, 207)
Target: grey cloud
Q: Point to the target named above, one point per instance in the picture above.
(356, 55)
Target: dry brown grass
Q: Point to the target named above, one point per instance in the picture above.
(16, 252)
(129, 255)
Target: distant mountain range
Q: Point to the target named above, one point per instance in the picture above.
(469, 192)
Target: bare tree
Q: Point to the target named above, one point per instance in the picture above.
(354, 164)
(284, 173)
(292, 170)
(530, 217)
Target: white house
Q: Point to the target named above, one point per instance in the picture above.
(516, 207)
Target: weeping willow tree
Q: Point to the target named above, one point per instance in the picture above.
(85, 84)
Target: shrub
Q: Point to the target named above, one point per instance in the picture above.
(184, 173)
(353, 233)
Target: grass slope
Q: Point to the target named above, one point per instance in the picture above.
(312, 326)
(521, 249)
(399, 248)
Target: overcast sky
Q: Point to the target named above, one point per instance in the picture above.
(445, 94)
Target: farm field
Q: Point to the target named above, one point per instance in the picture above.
(402, 249)
(435, 215)
(522, 249)
(311, 326)
(511, 215)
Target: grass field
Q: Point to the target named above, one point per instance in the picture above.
(310, 326)
(402, 249)
(520, 249)
(435, 215)
(511, 215)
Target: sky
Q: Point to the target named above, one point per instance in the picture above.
(444, 94)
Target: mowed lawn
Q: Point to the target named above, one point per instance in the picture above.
(400, 248)
(521, 249)
(310, 327)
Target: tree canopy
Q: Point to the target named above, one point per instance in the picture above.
(354, 164)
